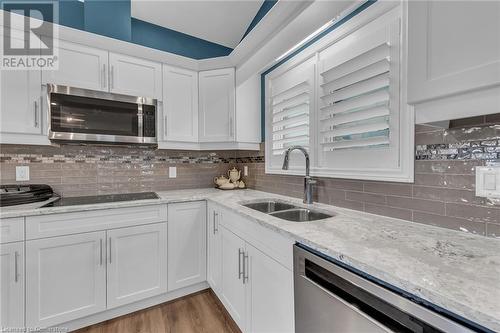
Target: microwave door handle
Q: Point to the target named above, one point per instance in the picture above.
(140, 121)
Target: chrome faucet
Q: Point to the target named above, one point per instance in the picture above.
(308, 181)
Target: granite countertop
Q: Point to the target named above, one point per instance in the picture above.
(455, 270)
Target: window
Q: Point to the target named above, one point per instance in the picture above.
(351, 115)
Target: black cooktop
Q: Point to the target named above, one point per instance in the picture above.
(94, 199)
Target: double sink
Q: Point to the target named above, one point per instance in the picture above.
(287, 211)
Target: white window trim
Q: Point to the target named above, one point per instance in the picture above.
(382, 12)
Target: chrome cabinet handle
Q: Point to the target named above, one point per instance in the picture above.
(215, 214)
(110, 250)
(245, 266)
(165, 125)
(36, 113)
(240, 271)
(231, 125)
(112, 77)
(104, 75)
(100, 251)
(16, 267)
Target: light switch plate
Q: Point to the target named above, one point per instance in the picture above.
(245, 170)
(172, 172)
(488, 181)
(22, 173)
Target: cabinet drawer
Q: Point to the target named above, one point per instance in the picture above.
(72, 223)
(11, 230)
(266, 240)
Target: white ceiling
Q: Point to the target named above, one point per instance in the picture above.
(220, 21)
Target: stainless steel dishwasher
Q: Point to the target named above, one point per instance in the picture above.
(332, 299)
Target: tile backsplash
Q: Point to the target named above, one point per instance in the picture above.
(91, 170)
(442, 194)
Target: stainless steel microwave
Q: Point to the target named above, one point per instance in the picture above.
(82, 115)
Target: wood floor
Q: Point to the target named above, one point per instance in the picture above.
(199, 312)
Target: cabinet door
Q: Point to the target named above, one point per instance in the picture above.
(217, 104)
(79, 66)
(233, 289)
(137, 263)
(134, 76)
(187, 232)
(453, 47)
(12, 285)
(214, 274)
(65, 278)
(269, 294)
(20, 98)
(180, 106)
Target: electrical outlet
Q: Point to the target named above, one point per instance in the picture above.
(22, 173)
(172, 172)
(245, 170)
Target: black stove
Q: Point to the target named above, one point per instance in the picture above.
(15, 195)
(95, 199)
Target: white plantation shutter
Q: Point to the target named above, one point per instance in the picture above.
(356, 101)
(290, 117)
(358, 118)
(289, 104)
(350, 115)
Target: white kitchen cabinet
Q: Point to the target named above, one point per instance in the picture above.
(187, 233)
(217, 105)
(136, 263)
(79, 66)
(233, 292)
(133, 76)
(12, 285)
(20, 102)
(180, 106)
(454, 47)
(21, 117)
(65, 278)
(270, 306)
(214, 262)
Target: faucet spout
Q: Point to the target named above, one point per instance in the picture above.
(308, 181)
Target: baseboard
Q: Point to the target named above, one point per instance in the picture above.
(129, 308)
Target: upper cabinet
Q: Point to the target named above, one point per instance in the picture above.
(79, 66)
(454, 57)
(90, 68)
(217, 105)
(343, 103)
(22, 116)
(180, 106)
(133, 76)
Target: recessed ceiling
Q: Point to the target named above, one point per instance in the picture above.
(219, 21)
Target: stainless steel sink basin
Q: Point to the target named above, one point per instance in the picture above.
(269, 206)
(287, 211)
(300, 215)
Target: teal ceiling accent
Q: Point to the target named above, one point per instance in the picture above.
(109, 18)
(157, 37)
(263, 10)
(112, 18)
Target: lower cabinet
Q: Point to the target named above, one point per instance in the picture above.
(73, 276)
(11, 286)
(233, 285)
(65, 278)
(136, 263)
(270, 304)
(256, 290)
(187, 256)
(214, 257)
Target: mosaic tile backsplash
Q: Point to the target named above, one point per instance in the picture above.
(442, 195)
